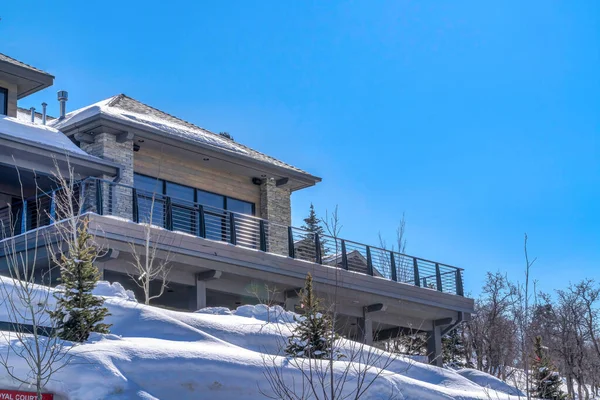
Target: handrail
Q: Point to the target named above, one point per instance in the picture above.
(173, 213)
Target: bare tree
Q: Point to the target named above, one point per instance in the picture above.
(27, 295)
(349, 371)
(148, 265)
(521, 313)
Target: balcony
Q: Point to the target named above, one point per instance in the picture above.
(166, 212)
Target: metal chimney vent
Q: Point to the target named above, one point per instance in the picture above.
(44, 105)
(63, 96)
(32, 109)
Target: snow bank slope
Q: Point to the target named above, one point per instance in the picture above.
(154, 353)
(489, 381)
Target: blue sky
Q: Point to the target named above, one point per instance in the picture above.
(478, 120)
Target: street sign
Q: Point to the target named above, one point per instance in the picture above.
(18, 395)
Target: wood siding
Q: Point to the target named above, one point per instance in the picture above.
(191, 172)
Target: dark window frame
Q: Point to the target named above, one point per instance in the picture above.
(225, 197)
(4, 91)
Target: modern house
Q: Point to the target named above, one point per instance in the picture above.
(221, 209)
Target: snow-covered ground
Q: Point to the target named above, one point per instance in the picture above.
(215, 353)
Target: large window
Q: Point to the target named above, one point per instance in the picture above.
(3, 101)
(184, 201)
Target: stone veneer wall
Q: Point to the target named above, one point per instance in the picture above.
(275, 206)
(118, 200)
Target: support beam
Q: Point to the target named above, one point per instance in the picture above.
(434, 346)
(281, 182)
(443, 321)
(124, 136)
(84, 137)
(208, 275)
(108, 255)
(374, 308)
(392, 333)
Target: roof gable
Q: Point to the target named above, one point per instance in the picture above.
(133, 111)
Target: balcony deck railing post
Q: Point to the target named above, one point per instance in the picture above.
(168, 213)
(200, 225)
(136, 206)
(99, 198)
(459, 283)
(232, 232)
(393, 267)
(82, 192)
(369, 262)
(24, 217)
(416, 272)
(318, 255)
(438, 278)
(263, 235)
(291, 249)
(344, 256)
(53, 206)
(228, 220)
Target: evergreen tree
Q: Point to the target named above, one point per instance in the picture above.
(312, 223)
(78, 311)
(311, 338)
(453, 349)
(546, 382)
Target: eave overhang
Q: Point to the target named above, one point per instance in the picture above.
(96, 123)
(32, 156)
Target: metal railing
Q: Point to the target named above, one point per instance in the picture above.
(109, 198)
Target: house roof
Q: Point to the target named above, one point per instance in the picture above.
(41, 134)
(10, 60)
(135, 112)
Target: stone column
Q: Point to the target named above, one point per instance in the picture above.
(275, 206)
(116, 147)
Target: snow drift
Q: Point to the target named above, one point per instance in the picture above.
(215, 353)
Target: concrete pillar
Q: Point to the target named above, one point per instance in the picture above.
(291, 300)
(434, 346)
(200, 294)
(275, 206)
(365, 329)
(100, 267)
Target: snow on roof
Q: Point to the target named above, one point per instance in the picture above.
(42, 134)
(10, 60)
(24, 115)
(128, 109)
